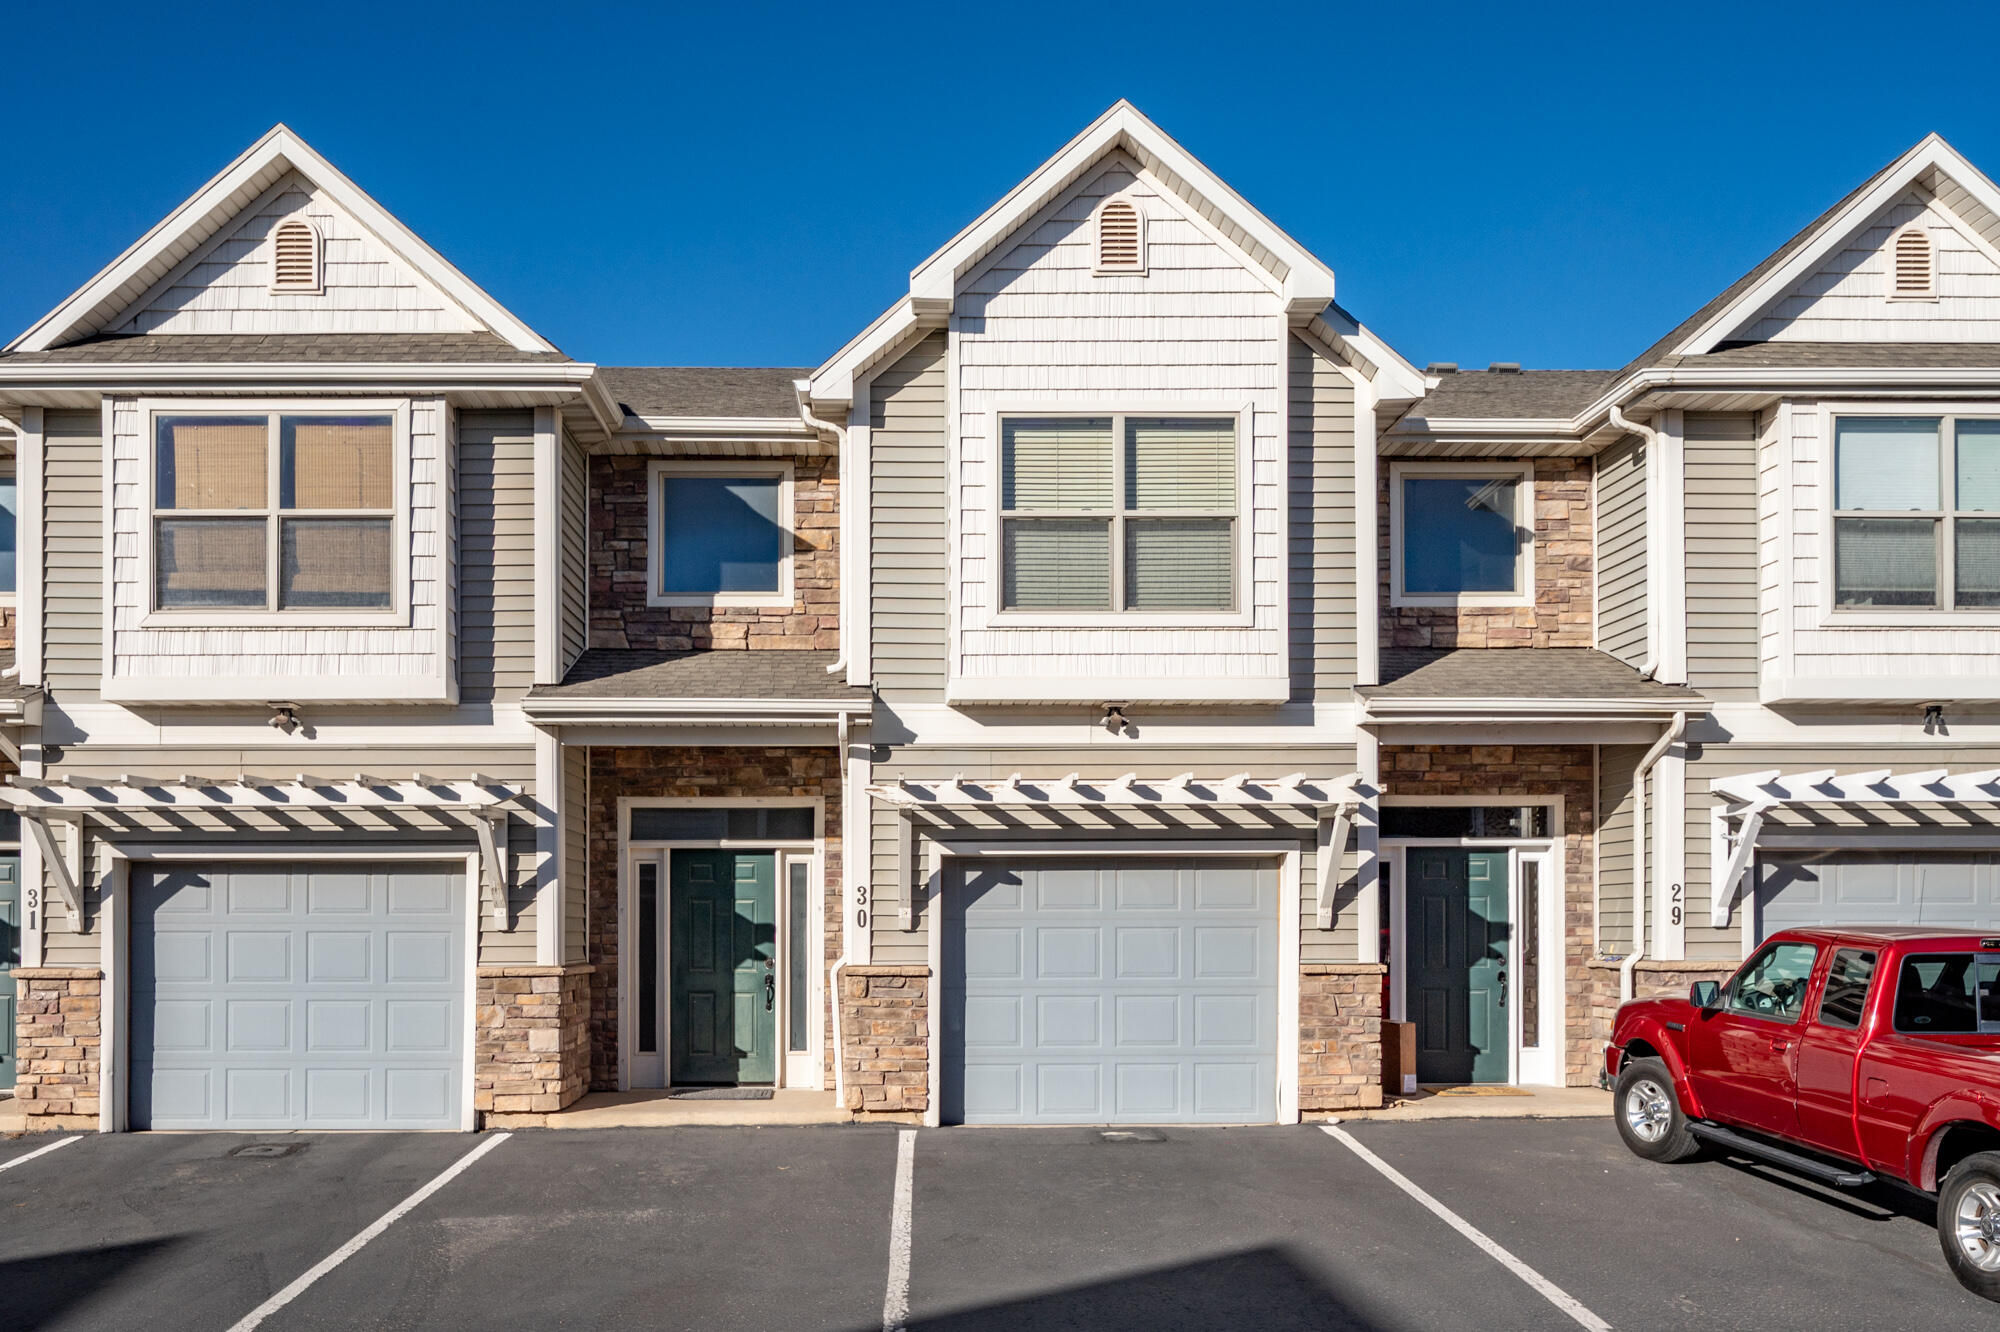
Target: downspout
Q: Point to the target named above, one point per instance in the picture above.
(846, 861)
(1651, 664)
(846, 546)
(1639, 834)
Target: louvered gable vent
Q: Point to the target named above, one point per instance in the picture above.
(295, 256)
(1121, 238)
(1913, 274)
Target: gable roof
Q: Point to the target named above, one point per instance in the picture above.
(1931, 165)
(94, 307)
(1306, 285)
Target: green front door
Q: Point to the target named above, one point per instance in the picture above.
(1457, 959)
(10, 957)
(724, 955)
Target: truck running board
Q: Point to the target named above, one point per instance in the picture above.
(1837, 1176)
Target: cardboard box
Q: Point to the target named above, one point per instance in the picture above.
(1399, 1058)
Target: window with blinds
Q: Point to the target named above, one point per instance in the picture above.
(295, 256)
(1912, 266)
(1916, 512)
(274, 512)
(1128, 513)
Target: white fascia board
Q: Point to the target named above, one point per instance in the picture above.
(471, 376)
(1121, 689)
(210, 207)
(1510, 709)
(1932, 154)
(1906, 688)
(237, 689)
(717, 428)
(747, 712)
(834, 381)
(1394, 378)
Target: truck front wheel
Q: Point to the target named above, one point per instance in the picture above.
(1968, 1218)
(1649, 1117)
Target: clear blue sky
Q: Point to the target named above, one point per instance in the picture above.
(750, 184)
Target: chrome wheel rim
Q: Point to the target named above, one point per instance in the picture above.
(1649, 1111)
(1977, 1226)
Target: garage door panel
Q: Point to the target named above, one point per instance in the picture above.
(1942, 888)
(298, 998)
(1156, 1005)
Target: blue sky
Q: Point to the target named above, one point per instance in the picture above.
(721, 185)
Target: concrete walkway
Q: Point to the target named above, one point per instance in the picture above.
(12, 1118)
(1531, 1103)
(655, 1109)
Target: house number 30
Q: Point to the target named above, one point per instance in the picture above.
(861, 906)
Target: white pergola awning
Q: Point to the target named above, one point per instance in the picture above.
(1332, 800)
(53, 810)
(1754, 795)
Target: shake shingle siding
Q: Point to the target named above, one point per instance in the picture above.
(908, 587)
(1621, 551)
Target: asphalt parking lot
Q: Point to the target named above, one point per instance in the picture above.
(816, 1228)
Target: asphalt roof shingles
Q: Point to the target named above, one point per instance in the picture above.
(1521, 673)
(750, 392)
(284, 349)
(621, 673)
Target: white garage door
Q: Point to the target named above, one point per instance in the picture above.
(1111, 992)
(1949, 889)
(298, 996)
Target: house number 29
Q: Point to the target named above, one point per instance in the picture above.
(1674, 914)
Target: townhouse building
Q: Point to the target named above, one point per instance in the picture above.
(1115, 687)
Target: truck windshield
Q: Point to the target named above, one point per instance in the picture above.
(1948, 994)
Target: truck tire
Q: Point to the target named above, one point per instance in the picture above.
(1648, 1115)
(1968, 1218)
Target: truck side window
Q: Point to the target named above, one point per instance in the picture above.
(1934, 994)
(1846, 995)
(1773, 983)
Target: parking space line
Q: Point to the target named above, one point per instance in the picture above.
(896, 1299)
(39, 1151)
(1542, 1286)
(360, 1241)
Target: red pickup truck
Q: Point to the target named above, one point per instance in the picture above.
(1846, 1055)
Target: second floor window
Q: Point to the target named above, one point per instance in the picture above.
(275, 511)
(1126, 513)
(721, 534)
(1916, 512)
(1461, 534)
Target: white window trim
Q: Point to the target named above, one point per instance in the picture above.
(1927, 297)
(1833, 615)
(1524, 526)
(318, 287)
(10, 470)
(397, 615)
(1098, 266)
(703, 467)
(1243, 613)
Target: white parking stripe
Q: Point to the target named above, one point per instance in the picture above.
(359, 1242)
(1547, 1289)
(39, 1151)
(896, 1299)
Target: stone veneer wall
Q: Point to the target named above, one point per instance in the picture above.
(1340, 1035)
(1652, 976)
(1561, 615)
(687, 770)
(619, 537)
(531, 1041)
(1529, 770)
(885, 1026)
(58, 1034)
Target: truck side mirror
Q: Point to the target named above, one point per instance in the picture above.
(1705, 994)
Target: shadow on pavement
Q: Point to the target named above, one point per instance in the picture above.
(1265, 1288)
(1879, 1201)
(36, 1291)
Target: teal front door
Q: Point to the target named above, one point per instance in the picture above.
(1456, 955)
(724, 961)
(10, 957)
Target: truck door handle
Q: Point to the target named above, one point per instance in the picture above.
(1780, 1044)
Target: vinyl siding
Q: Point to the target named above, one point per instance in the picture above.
(907, 578)
(1200, 328)
(1845, 299)
(576, 853)
(65, 946)
(1322, 527)
(1720, 457)
(1707, 763)
(894, 945)
(1616, 807)
(73, 555)
(1621, 551)
(496, 541)
(575, 551)
(225, 286)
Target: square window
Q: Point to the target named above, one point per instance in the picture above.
(721, 536)
(1462, 535)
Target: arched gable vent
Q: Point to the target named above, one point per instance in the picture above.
(1913, 266)
(1121, 238)
(295, 258)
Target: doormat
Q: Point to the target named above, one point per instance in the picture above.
(720, 1094)
(1480, 1089)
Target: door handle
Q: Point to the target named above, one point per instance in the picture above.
(1503, 987)
(770, 992)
